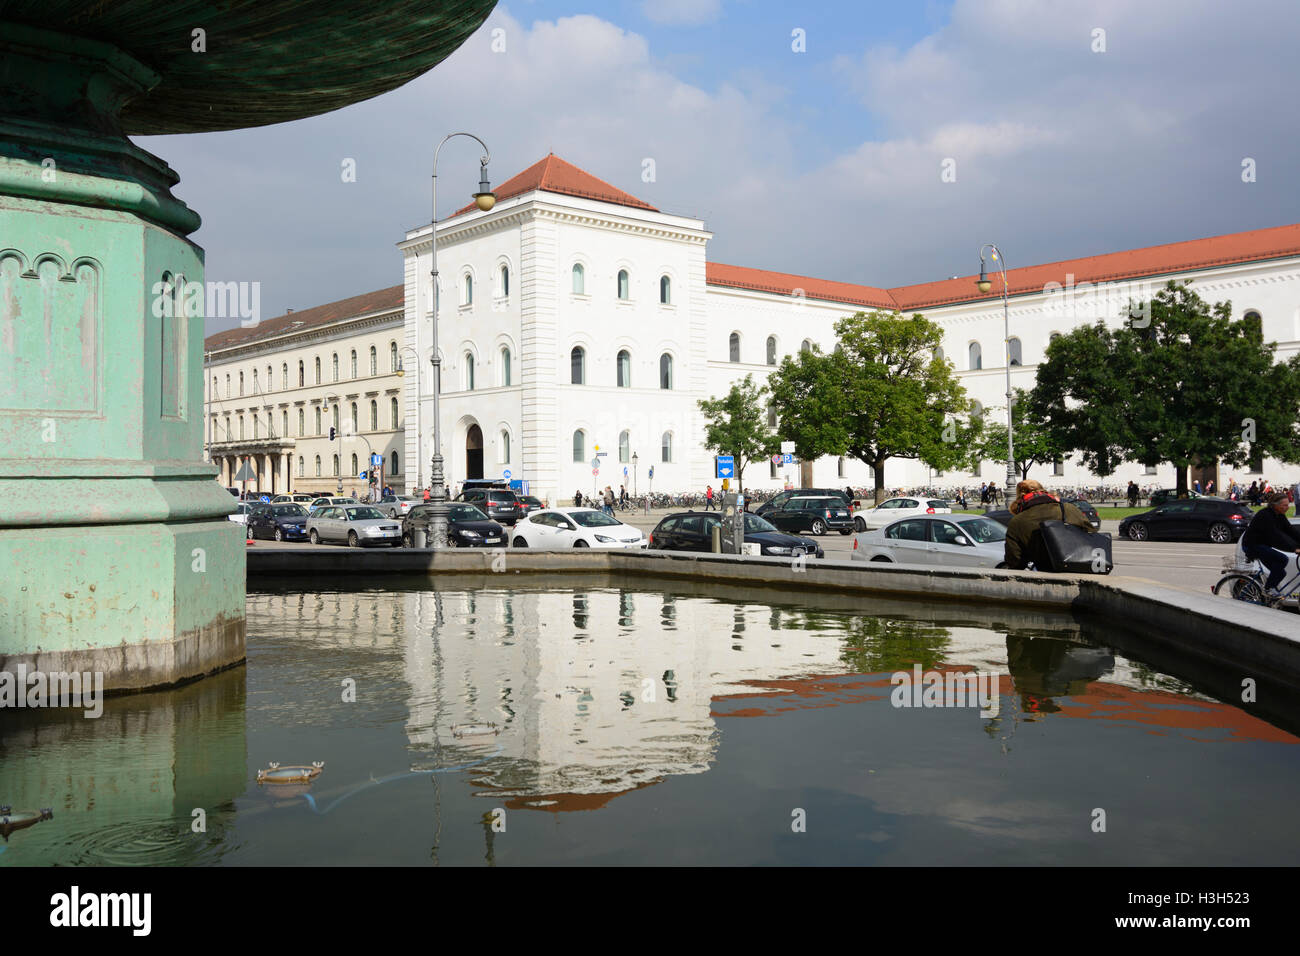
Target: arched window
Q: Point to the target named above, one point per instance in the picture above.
(284, 376)
(353, 364)
(302, 423)
(227, 385)
(977, 410)
(666, 371)
(397, 465)
(255, 388)
(505, 366)
(579, 446)
(624, 447)
(578, 364)
(392, 413)
(1013, 351)
(318, 370)
(356, 465)
(505, 447)
(374, 360)
(505, 282)
(666, 447)
(771, 416)
(318, 431)
(579, 279)
(733, 347)
(354, 418)
(214, 386)
(840, 465)
(771, 350)
(256, 422)
(976, 357)
(318, 466)
(469, 372)
(241, 383)
(302, 467)
(624, 284)
(302, 374)
(392, 356)
(335, 419)
(1253, 314)
(806, 346)
(334, 367)
(284, 423)
(624, 369)
(665, 290)
(241, 427)
(938, 354)
(374, 415)
(468, 298)
(336, 465)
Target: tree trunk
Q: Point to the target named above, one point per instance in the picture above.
(879, 468)
(1180, 481)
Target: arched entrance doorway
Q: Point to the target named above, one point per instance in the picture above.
(474, 452)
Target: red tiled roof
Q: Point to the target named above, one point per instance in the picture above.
(384, 300)
(1259, 244)
(782, 283)
(554, 175)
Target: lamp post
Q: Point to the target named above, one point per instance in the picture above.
(401, 372)
(338, 433)
(485, 199)
(633, 474)
(985, 285)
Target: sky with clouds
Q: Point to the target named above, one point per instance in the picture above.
(825, 162)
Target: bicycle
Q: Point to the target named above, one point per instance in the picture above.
(1251, 586)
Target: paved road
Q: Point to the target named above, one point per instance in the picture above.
(1188, 565)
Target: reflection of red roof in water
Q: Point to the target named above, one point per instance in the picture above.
(1159, 709)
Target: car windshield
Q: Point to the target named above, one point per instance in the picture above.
(593, 519)
(984, 530)
(936, 504)
(362, 514)
(284, 511)
(754, 524)
(464, 512)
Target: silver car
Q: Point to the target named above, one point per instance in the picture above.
(357, 525)
(395, 506)
(945, 540)
(318, 503)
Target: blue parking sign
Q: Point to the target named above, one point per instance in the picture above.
(726, 466)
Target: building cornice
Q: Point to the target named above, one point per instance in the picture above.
(344, 328)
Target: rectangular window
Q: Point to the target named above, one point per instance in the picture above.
(1058, 468)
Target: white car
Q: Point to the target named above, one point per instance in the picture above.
(557, 529)
(241, 512)
(893, 509)
(294, 499)
(951, 541)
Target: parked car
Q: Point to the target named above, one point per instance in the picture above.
(1162, 495)
(234, 492)
(499, 504)
(693, 531)
(318, 503)
(531, 503)
(814, 514)
(358, 525)
(1003, 516)
(281, 522)
(294, 499)
(781, 497)
(892, 509)
(963, 541)
(558, 529)
(395, 506)
(243, 509)
(467, 527)
(1202, 519)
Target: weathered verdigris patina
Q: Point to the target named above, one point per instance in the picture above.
(115, 552)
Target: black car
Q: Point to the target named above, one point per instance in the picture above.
(283, 522)
(499, 504)
(1164, 495)
(693, 531)
(1003, 516)
(781, 497)
(467, 526)
(1200, 519)
(815, 514)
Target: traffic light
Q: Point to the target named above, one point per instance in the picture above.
(332, 433)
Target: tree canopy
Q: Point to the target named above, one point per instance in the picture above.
(736, 424)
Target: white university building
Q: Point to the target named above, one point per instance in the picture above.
(578, 323)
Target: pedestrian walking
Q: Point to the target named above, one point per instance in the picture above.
(609, 501)
(577, 499)
(1132, 494)
(708, 498)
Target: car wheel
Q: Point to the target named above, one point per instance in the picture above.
(279, 535)
(581, 544)
(859, 524)
(353, 540)
(818, 527)
(1220, 533)
(406, 541)
(882, 559)
(519, 542)
(315, 538)
(846, 530)
(1137, 531)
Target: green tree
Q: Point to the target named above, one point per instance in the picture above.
(880, 394)
(1184, 384)
(736, 424)
(1035, 444)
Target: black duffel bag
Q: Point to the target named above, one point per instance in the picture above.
(1074, 550)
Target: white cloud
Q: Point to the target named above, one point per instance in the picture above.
(682, 12)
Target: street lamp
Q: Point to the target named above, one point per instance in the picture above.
(338, 433)
(984, 285)
(401, 373)
(485, 199)
(633, 474)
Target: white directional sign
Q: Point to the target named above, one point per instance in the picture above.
(787, 448)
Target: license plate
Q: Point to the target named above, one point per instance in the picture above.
(798, 552)
(492, 540)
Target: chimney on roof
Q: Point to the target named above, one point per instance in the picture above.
(290, 311)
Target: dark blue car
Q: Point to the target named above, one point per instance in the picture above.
(283, 522)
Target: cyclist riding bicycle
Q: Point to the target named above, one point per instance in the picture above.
(1269, 537)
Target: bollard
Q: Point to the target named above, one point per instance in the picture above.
(418, 538)
(716, 534)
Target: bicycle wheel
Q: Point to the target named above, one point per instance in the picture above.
(1242, 587)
